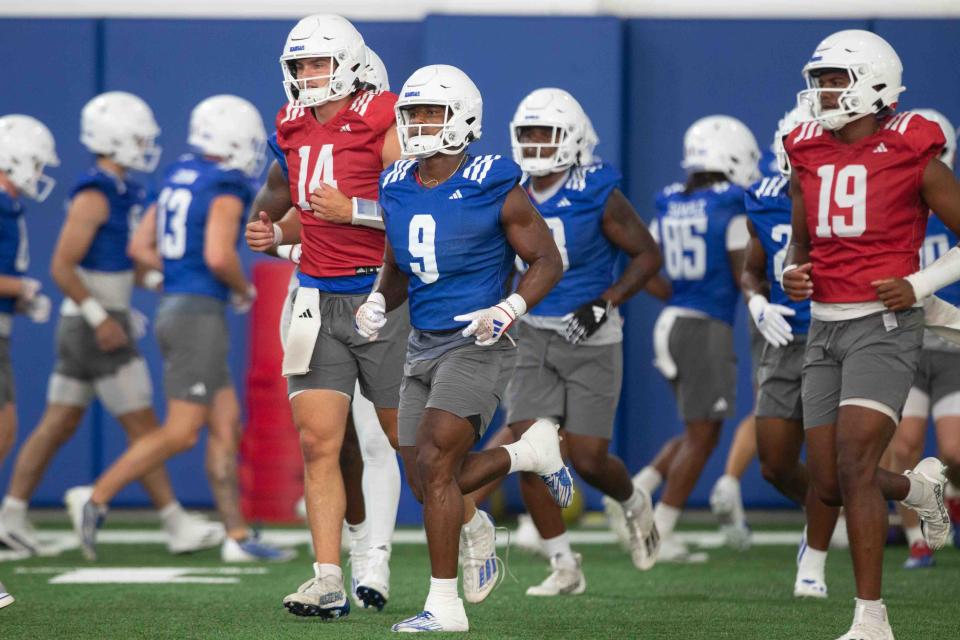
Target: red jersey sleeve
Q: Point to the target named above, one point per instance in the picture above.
(923, 136)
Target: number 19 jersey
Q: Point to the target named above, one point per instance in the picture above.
(695, 231)
(344, 152)
(449, 239)
(865, 215)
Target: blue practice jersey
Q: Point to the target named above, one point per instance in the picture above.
(277, 153)
(14, 251)
(692, 230)
(189, 187)
(938, 241)
(769, 209)
(449, 239)
(575, 217)
(126, 197)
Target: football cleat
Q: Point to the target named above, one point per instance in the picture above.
(543, 438)
(18, 534)
(672, 549)
(358, 566)
(192, 532)
(479, 561)
(643, 534)
(864, 629)
(726, 504)
(809, 588)
(617, 521)
(5, 598)
(433, 618)
(254, 549)
(374, 590)
(563, 580)
(86, 518)
(323, 597)
(934, 520)
(921, 556)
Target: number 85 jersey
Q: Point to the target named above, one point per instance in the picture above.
(449, 239)
(865, 215)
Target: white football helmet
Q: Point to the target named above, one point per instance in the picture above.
(26, 148)
(949, 153)
(559, 111)
(722, 144)
(375, 72)
(875, 72)
(790, 121)
(323, 36)
(231, 129)
(121, 126)
(447, 86)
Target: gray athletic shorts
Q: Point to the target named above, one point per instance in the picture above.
(757, 344)
(779, 374)
(342, 356)
(706, 382)
(861, 359)
(6, 373)
(82, 372)
(468, 381)
(938, 374)
(577, 385)
(194, 342)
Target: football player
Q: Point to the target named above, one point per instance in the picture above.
(26, 149)
(936, 387)
(455, 223)
(190, 235)
(96, 348)
(702, 232)
(864, 179)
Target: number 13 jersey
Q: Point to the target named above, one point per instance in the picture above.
(865, 215)
(449, 239)
(344, 152)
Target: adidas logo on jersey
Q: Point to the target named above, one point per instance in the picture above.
(720, 405)
(198, 389)
(880, 148)
(563, 203)
(345, 127)
(306, 314)
(456, 195)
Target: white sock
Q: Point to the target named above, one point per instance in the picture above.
(14, 506)
(633, 503)
(918, 494)
(665, 517)
(873, 610)
(812, 562)
(324, 570)
(381, 473)
(649, 479)
(559, 547)
(442, 591)
(476, 524)
(170, 515)
(914, 534)
(522, 456)
(359, 535)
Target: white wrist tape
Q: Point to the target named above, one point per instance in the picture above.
(517, 304)
(290, 252)
(789, 267)
(277, 235)
(93, 312)
(153, 280)
(367, 213)
(943, 272)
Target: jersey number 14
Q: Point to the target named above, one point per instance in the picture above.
(322, 172)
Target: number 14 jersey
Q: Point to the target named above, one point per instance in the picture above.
(865, 215)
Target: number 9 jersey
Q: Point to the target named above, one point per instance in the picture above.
(865, 215)
(449, 239)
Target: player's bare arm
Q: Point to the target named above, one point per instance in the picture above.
(941, 191)
(143, 244)
(220, 241)
(391, 282)
(753, 278)
(626, 231)
(796, 271)
(273, 197)
(530, 237)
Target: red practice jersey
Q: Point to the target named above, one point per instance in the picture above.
(344, 152)
(865, 216)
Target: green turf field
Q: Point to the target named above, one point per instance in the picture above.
(734, 595)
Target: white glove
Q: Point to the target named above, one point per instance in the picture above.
(241, 302)
(371, 316)
(770, 321)
(31, 287)
(138, 323)
(36, 308)
(488, 325)
(153, 280)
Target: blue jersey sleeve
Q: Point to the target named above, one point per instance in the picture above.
(595, 182)
(496, 174)
(234, 184)
(278, 153)
(92, 180)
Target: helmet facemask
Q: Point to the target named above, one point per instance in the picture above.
(560, 153)
(864, 94)
(422, 140)
(339, 82)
